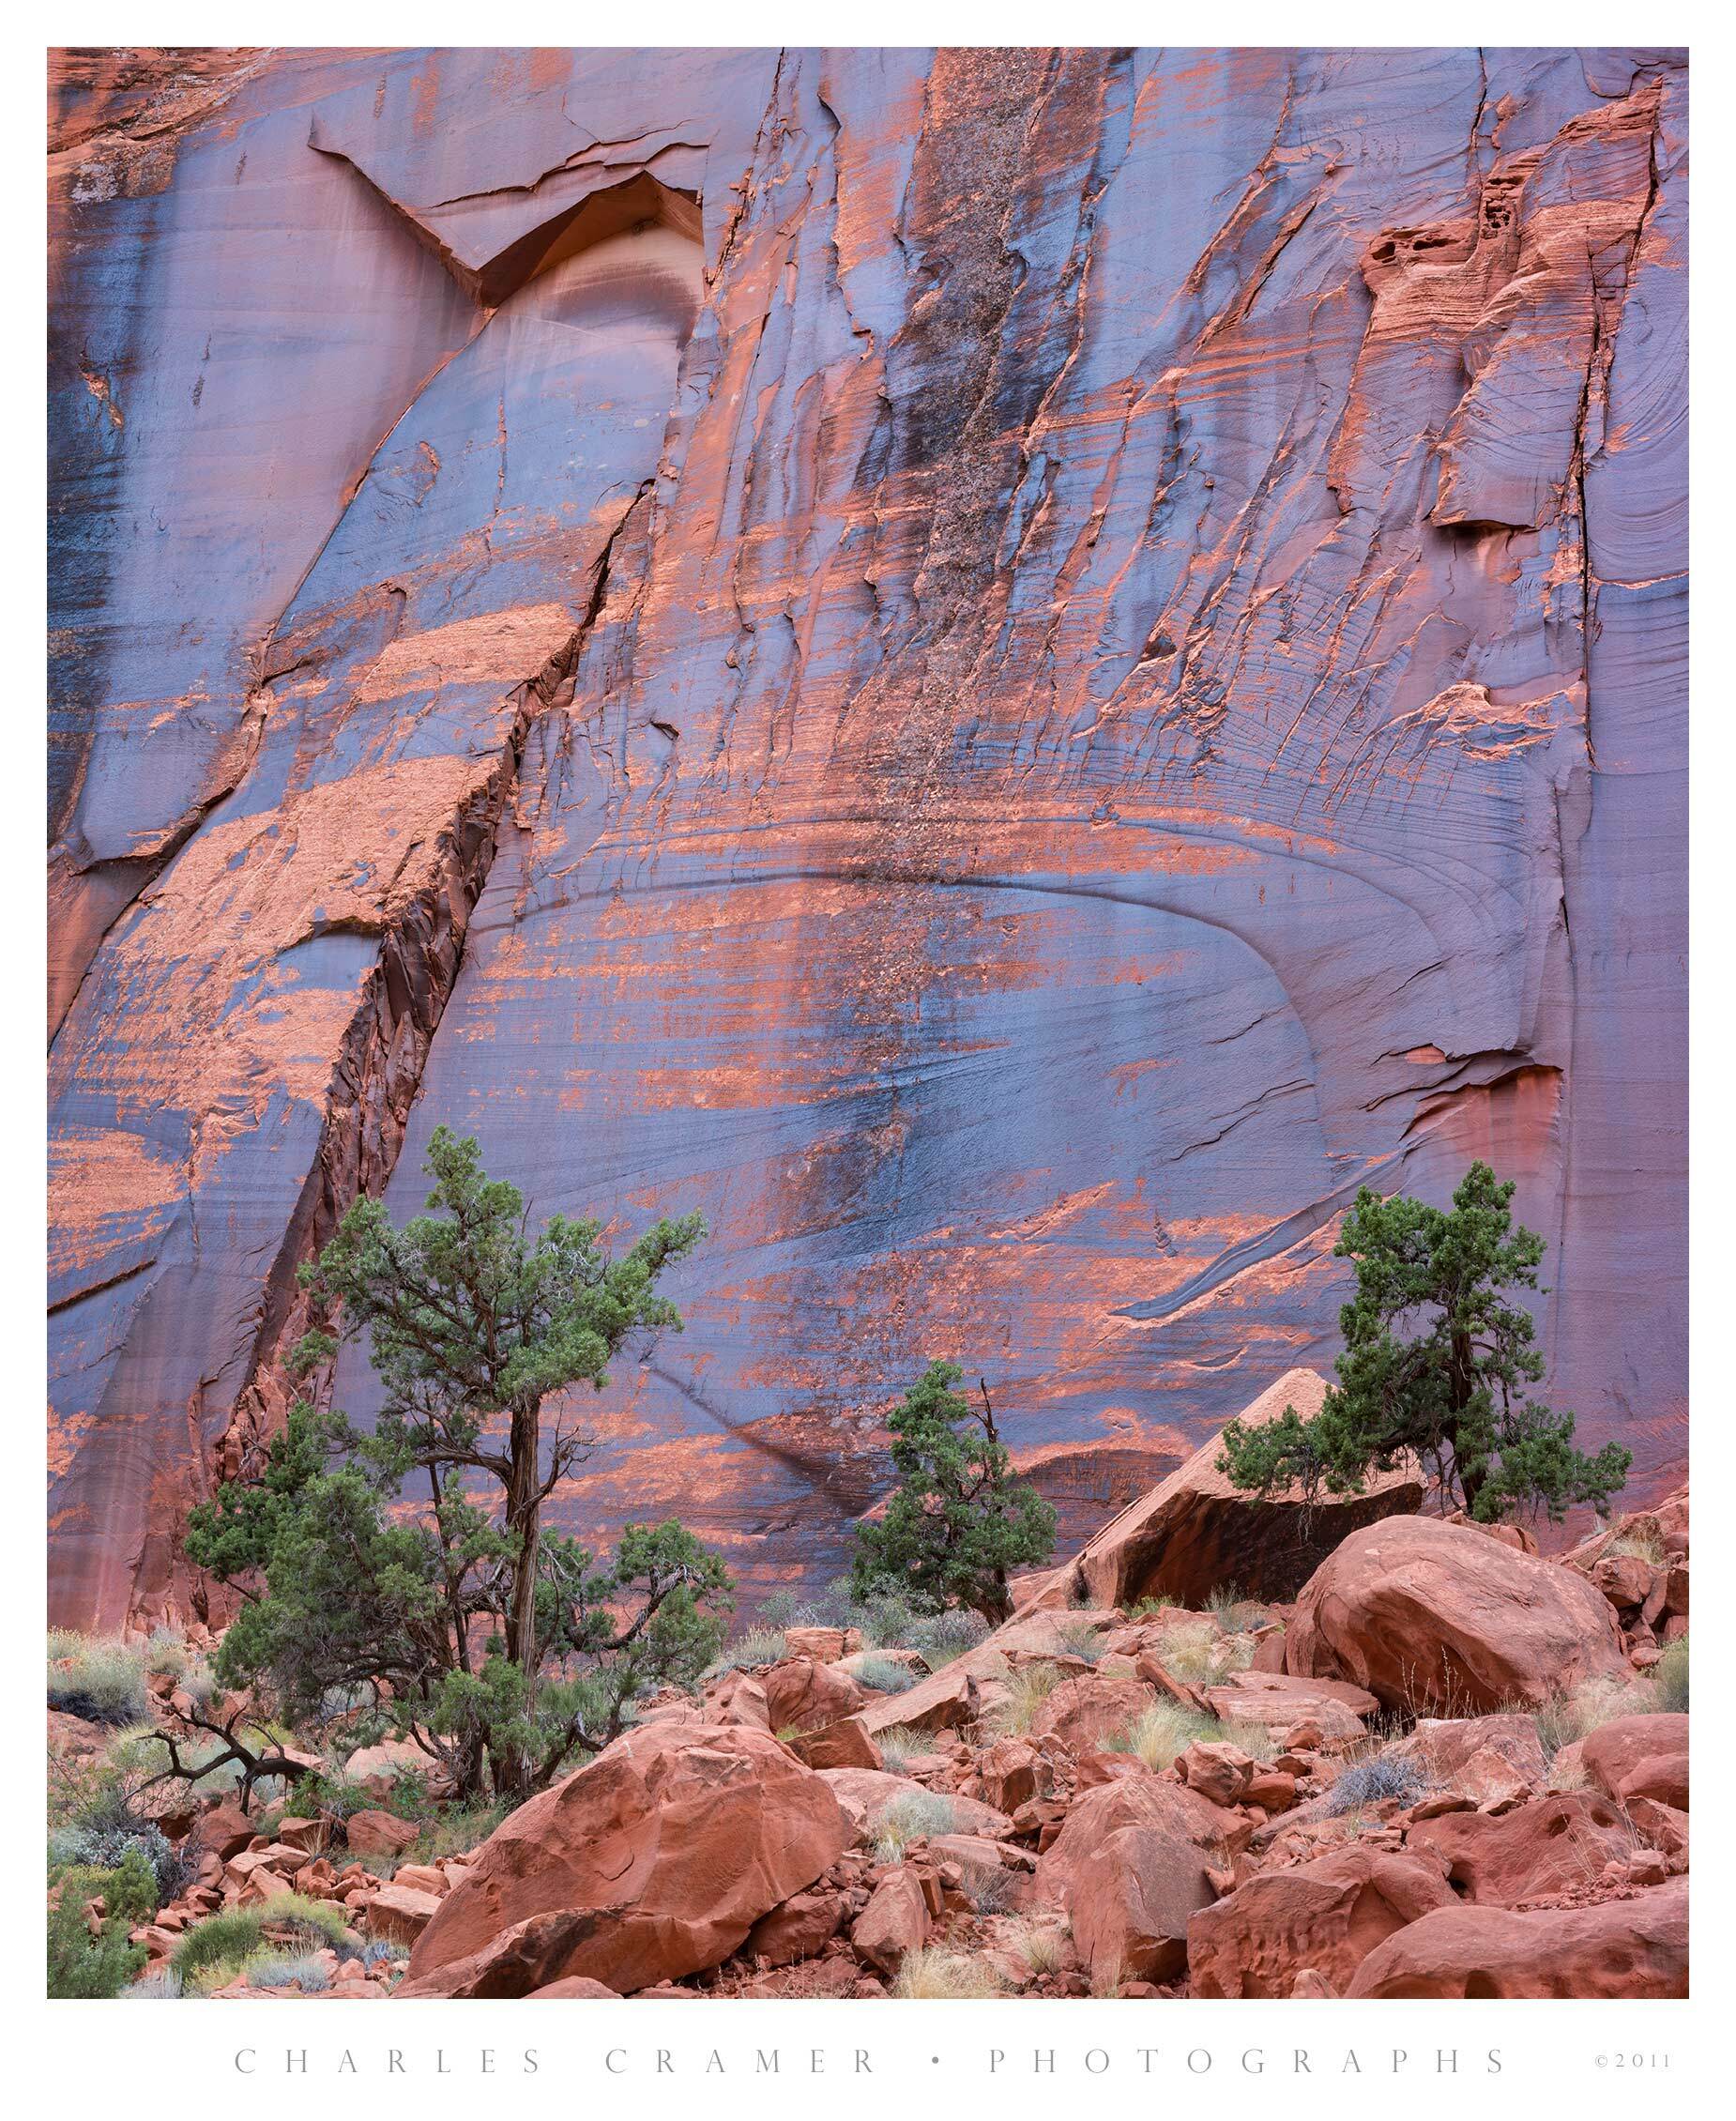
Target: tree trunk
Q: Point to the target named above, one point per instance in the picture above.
(1461, 1377)
(523, 1524)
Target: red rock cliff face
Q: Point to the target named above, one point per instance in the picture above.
(1011, 671)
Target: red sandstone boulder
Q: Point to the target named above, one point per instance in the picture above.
(1436, 1619)
(224, 1830)
(1194, 1531)
(1445, 1749)
(866, 1792)
(574, 1985)
(1012, 1772)
(1221, 1773)
(1640, 1756)
(1662, 1827)
(737, 1697)
(1322, 1917)
(824, 1645)
(836, 1745)
(1132, 1896)
(801, 1695)
(1620, 1948)
(805, 1924)
(1131, 1864)
(654, 1862)
(378, 1833)
(894, 1923)
(401, 1912)
(1085, 1711)
(378, 1768)
(954, 1696)
(309, 1834)
(1533, 1852)
(1280, 1702)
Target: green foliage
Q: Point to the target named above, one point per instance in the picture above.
(959, 1520)
(332, 1794)
(1435, 1364)
(498, 1650)
(101, 1843)
(83, 1966)
(223, 1942)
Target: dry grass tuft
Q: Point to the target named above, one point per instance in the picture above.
(934, 1974)
(1157, 1735)
(1029, 1686)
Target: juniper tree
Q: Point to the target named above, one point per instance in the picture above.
(959, 1519)
(1437, 1364)
(487, 1643)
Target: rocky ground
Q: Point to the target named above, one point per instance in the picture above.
(1448, 1766)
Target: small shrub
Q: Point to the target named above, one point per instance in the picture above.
(883, 1675)
(942, 1637)
(1565, 1718)
(1142, 1609)
(1642, 1542)
(278, 1970)
(1669, 1678)
(166, 1651)
(886, 1621)
(223, 1942)
(101, 1844)
(333, 1796)
(1255, 1740)
(160, 1983)
(913, 1815)
(1158, 1733)
(756, 1646)
(991, 1892)
(1195, 1653)
(78, 1965)
(934, 1974)
(900, 1745)
(1029, 1686)
(338, 1797)
(779, 1611)
(1373, 1781)
(1223, 1600)
(382, 1951)
(101, 1681)
(1082, 1638)
(1044, 1947)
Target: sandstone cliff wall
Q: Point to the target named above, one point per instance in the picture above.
(1011, 671)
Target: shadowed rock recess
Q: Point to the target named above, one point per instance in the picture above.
(1010, 671)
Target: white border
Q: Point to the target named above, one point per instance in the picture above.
(81, 2057)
